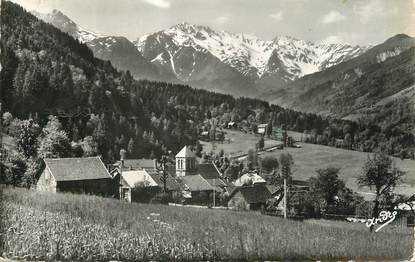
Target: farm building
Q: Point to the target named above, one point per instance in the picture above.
(262, 128)
(253, 197)
(406, 213)
(208, 171)
(232, 125)
(133, 179)
(197, 188)
(134, 164)
(249, 178)
(204, 135)
(173, 188)
(77, 175)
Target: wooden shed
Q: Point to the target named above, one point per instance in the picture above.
(77, 175)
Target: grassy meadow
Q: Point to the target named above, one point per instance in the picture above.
(311, 157)
(239, 144)
(47, 226)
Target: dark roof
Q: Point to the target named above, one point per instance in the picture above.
(207, 171)
(257, 193)
(71, 169)
(299, 183)
(142, 163)
(196, 183)
(218, 184)
(171, 183)
(273, 189)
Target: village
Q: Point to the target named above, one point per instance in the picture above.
(161, 130)
(184, 179)
(181, 179)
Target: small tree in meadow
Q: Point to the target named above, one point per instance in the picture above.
(269, 164)
(380, 173)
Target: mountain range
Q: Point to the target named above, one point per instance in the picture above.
(365, 85)
(238, 64)
(334, 79)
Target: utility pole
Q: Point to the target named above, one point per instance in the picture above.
(1, 144)
(214, 192)
(164, 173)
(284, 173)
(1, 130)
(285, 198)
(122, 157)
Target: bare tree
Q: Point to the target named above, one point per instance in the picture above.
(379, 172)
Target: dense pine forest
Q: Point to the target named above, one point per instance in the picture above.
(46, 72)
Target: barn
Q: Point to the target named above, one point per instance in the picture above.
(77, 175)
(253, 197)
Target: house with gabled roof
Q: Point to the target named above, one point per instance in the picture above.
(198, 188)
(134, 164)
(132, 179)
(171, 184)
(208, 171)
(77, 175)
(249, 178)
(252, 197)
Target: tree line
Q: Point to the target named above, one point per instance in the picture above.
(101, 110)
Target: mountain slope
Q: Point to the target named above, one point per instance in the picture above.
(375, 84)
(65, 24)
(239, 64)
(47, 72)
(123, 55)
(117, 49)
(283, 59)
(195, 65)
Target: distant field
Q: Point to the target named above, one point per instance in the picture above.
(311, 157)
(240, 143)
(48, 226)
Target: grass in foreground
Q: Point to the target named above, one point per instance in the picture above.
(45, 226)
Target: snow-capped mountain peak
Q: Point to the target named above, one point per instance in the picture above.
(65, 24)
(250, 55)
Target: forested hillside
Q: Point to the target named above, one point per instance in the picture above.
(47, 72)
(377, 86)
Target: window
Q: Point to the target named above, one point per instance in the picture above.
(180, 164)
(410, 221)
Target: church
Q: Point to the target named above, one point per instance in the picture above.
(195, 176)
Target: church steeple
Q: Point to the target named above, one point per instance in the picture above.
(185, 161)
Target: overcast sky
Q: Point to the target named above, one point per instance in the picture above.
(352, 21)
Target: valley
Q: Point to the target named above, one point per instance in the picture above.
(185, 142)
(310, 157)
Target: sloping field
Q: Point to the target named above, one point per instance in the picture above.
(239, 143)
(47, 226)
(311, 157)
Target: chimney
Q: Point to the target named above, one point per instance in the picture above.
(123, 154)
